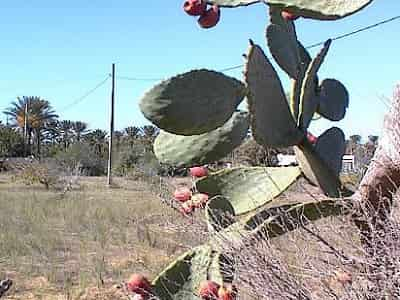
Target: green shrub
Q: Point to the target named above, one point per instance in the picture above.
(90, 163)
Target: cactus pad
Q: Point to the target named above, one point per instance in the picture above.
(181, 279)
(317, 171)
(184, 151)
(281, 219)
(334, 99)
(271, 120)
(284, 48)
(305, 57)
(308, 99)
(219, 213)
(248, 188)
(330, 147)
(192, 103)
(232, 3)
(321, 9)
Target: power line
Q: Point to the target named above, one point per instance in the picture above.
(87, 94)
(342, 36)
(138, 79)
(356, 31)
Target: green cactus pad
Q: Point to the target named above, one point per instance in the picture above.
(219, 213)
(308, 99)
(317, 171)
(315, 9)
(193, 103)
(284, 48)
(232, 3)
(271, 120)
(182, 278)
(284, 218)
(280, 217)
(248, 188)
(330, 147)
(185, 151)
(295, 94)
(334, 99)
(305, 57)
(321, 9)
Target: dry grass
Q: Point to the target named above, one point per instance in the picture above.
(82, 244)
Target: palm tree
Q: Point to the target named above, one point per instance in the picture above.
(117, 137)
(149, 132)
(132, 133)
(65, 131)
(33, 111)
(79, 129)
(51, 132)
(97, 140)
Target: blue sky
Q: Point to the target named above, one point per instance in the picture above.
(61, 49)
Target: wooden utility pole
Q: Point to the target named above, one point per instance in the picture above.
(26, 138)
(110, 140)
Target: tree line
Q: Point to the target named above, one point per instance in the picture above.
(35, 129)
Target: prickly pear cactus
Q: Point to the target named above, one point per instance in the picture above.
(200, 123)
(315, 9)
(248, 188)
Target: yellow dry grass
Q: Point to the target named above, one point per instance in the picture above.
(84, 244)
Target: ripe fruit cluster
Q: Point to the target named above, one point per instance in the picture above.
(208, 17)
(191, 201)
(210, 290)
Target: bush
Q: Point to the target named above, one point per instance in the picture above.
(11, 142)
(47, 173)
(135, 159)
(90, 163)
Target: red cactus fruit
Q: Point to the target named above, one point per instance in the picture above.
(187, 208)
(227, 292)
(139, 284)
(195, 7)
(311, 138)
(210, 18)
(198, 171)
(182, 194)
(288, 16)
(208, 290)
(199, 200)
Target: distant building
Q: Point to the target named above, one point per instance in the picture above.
(285, 160)
(348, 163)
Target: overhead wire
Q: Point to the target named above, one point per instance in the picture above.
(339, 37)
(128, 78)
(85, 95)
